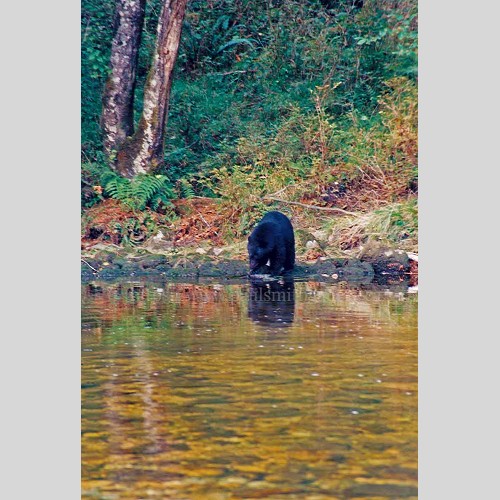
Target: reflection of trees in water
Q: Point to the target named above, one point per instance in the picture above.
(105, 305)
(372, 303)
(272, 303)
(191, 306)
(122, 405)
(129, 395)
(162, 306)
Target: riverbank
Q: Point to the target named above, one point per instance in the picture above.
(111, 262)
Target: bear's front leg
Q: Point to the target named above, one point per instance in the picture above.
(277, 260)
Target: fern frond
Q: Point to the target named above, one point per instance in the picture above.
(187, 190)
(140, 192)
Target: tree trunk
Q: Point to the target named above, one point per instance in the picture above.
(143, 151)
(117, 119)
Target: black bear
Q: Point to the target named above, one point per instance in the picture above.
(272, 240)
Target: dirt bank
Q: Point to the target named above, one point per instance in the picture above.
(112, 262)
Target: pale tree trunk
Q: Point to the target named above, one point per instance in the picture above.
(117, 119)
(143, 151)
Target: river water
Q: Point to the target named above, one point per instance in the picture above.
(219, 391)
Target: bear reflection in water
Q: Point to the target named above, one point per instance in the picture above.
(272, 303)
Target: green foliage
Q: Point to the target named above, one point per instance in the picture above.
(375, 158)
(145, 190)
(90, 184)
(235, 41)
(206, 38)
(243, 66)
(185, 189)
(96, 25)
(270, 97)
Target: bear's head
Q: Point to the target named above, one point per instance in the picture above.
(257, 253)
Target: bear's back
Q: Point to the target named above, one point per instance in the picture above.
(278, 218)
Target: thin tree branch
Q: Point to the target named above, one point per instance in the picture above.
(279, 191)
(313, 207)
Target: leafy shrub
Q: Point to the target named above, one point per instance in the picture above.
(309, 152)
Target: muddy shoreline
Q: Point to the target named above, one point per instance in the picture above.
(383, 267)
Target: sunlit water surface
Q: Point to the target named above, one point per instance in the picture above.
(190, 391)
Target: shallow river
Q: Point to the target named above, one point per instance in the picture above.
(216, 391)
